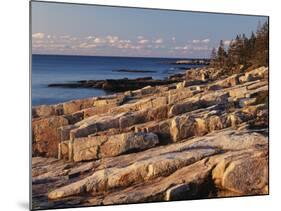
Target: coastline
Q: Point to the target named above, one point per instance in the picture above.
(196, 137)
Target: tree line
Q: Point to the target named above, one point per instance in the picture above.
(243, 52)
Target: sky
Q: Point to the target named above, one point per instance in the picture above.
(73, 29)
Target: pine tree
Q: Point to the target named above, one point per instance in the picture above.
(261, 45)
(221, 55)
(232, 57)
(213, 57)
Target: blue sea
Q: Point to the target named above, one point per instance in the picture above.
(48, 69)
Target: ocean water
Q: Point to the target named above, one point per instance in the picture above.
(48, 69)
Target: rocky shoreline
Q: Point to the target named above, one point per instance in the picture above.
(200, 134)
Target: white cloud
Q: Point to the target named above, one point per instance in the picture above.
(90, 37)
(99, 40)
(201, 41)
(143, 41)
(159, 41)
(109, 43)
(38, 35)
(195, 41)
(112, 39)
(205, 41)
(185, 47)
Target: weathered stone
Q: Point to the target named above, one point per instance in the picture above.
(159, 101)
(244, 173)
(163, 189)
(76, 105)
(65, 132)
(215, 123)
(239, 92)
(182, 127)
(214, 98)
(179, 85)
(113, 101)
(43, 111)
(119, 144)
(96, 110)
(132, 118)
(87, 148)
(63, 150)
(257, 85)
(147, 90)
(201, 127)
(175, 97)
(158, 113)
(261, 94)
(95, 124)
(75, 117)
(182, 108)
(247, 101)
(229, 81)
(46, 136)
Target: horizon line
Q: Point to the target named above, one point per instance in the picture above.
(152, 57)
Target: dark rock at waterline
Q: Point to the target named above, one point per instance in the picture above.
(117, 85)
(134, 71)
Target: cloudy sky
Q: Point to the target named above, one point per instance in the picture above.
(113, 31)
